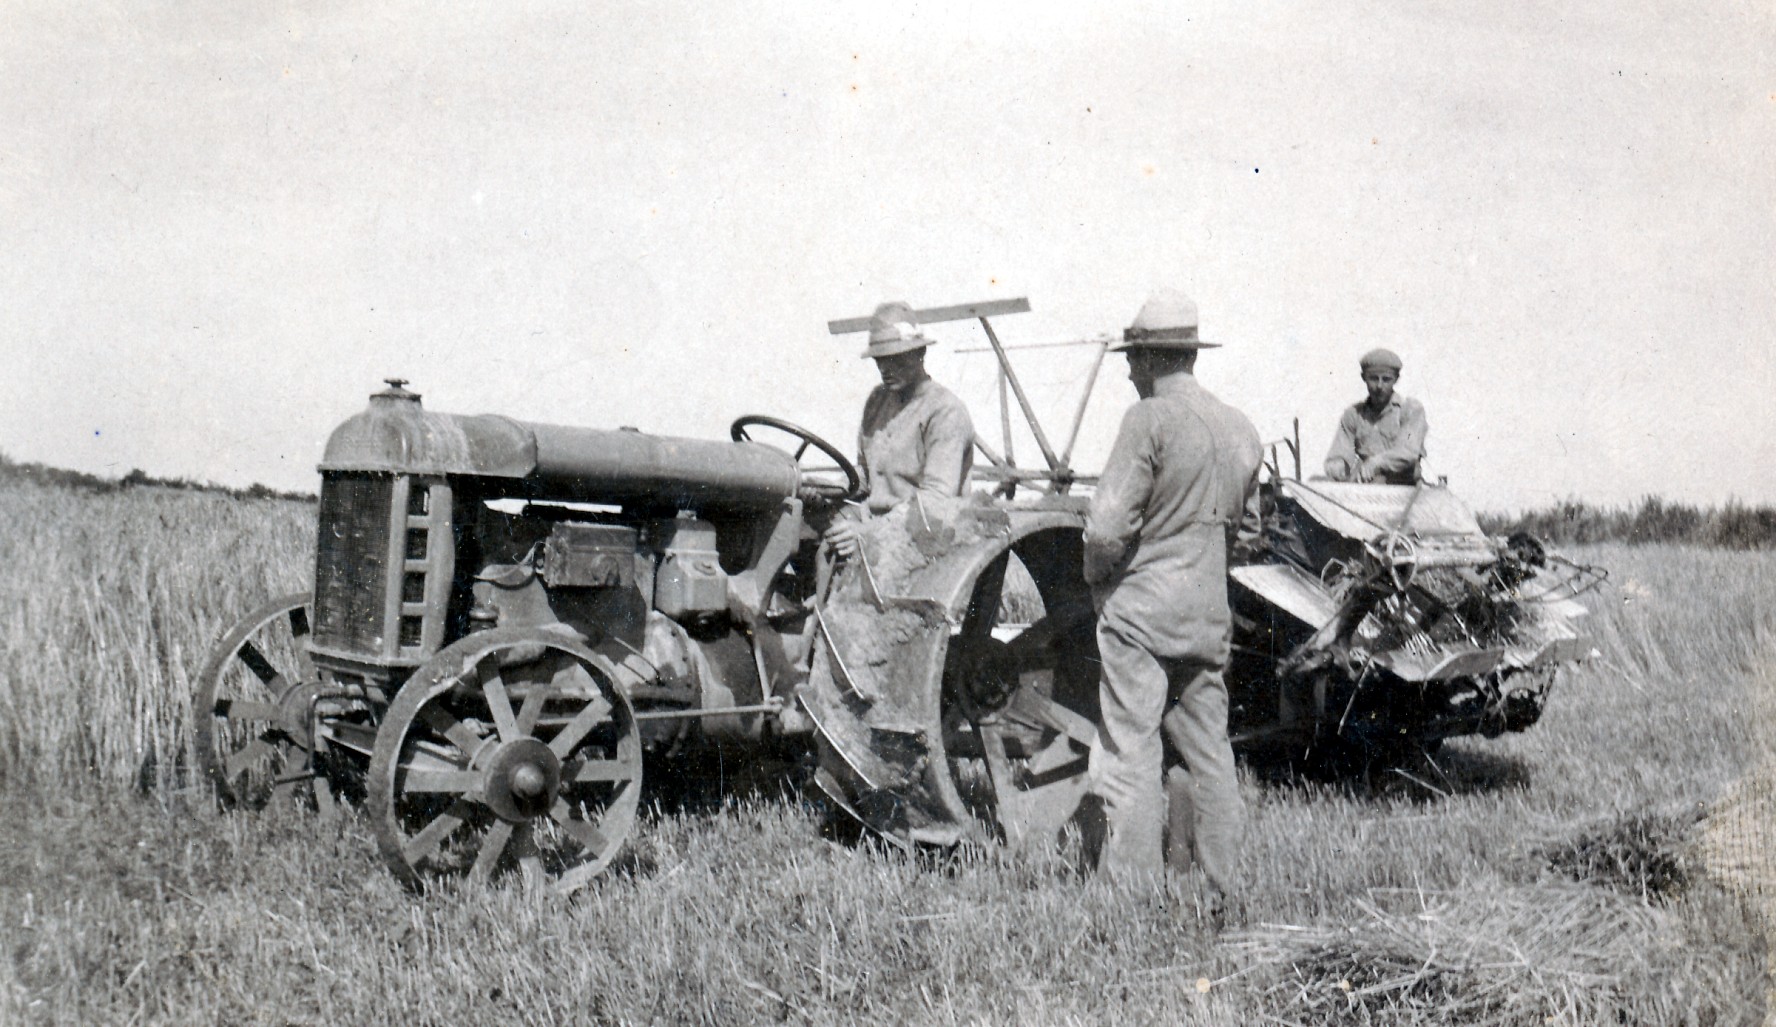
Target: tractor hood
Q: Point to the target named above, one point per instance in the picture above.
(396, 435)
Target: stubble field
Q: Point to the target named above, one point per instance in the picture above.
(1607, 866)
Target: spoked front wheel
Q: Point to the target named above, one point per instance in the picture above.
(512, 748)
(254, 708)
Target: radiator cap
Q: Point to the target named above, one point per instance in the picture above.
(395, 392)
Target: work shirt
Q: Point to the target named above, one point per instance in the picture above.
(917, 440)
(1172, 494)
(1392, 441)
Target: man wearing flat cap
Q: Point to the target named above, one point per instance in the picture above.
(916, 435)
(1173, 493)
(1382, 438)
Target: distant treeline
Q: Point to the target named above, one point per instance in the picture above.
(13, 470)
(1570, 521)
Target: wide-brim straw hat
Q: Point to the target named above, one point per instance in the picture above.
(1166, 321)
(894, 329)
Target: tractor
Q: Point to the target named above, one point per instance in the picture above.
(507, 617)
(509, 620)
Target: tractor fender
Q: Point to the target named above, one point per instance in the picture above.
(926, 588)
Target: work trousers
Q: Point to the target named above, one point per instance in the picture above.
(1142, 695)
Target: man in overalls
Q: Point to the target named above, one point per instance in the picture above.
(916, 435)
(1173, 492)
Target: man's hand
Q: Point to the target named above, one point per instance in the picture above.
(1367, 470)
(842, 539)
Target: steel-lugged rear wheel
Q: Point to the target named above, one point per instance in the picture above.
(254, 708)
(512, 748)
(1007, 721)
(942, 713)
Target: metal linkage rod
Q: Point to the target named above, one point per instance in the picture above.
(1091, 382)
(1017, 388)
(726, 711)
(1100, 340)
(1005, 417)
(997, 472)
(987, 451)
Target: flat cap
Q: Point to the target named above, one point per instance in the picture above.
(1380, 358)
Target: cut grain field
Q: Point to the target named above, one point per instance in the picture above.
(1607, 866)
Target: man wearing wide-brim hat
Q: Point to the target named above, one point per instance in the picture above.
(916, 435)
(1382, 438)
(1173, 493)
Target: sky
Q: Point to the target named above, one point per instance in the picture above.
(223, 224)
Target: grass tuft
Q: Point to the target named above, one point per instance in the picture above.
(1638, 854)
(1497, 953)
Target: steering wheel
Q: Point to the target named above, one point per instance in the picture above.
(827, 491)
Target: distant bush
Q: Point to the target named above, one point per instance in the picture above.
(13, 470)
(1574, 521)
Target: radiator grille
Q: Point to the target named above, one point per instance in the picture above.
(351, 562)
